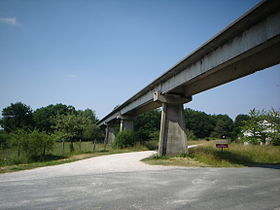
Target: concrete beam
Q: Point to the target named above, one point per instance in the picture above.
(250, 44)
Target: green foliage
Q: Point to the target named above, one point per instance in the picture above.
(17, 116)
(238, 124)
(90, 114)
(43, 117)
(72, 125)
(236, 155)
(34, 144)
(4, 139)
(38, 144)
(147, 124)
(255, 130)
(190, 135)
(124, 139)
(199, 122)
(223, 127)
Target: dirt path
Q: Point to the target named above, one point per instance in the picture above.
(126, 162)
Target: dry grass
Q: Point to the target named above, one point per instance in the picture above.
(237, 155)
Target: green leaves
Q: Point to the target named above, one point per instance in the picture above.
(33, 144)
(124, 139)
(17, 116)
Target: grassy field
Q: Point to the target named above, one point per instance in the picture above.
(237, 155)
(9, 160)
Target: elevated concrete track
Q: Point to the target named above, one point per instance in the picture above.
(249, 44)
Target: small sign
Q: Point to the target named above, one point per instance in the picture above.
(221, 145)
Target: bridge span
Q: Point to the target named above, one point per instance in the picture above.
(249, 44)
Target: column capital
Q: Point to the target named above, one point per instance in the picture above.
(171, 98)
(125, 117)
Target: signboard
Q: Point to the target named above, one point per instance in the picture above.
(221, 145)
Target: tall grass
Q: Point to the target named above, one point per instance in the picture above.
(10, 156)
(237, 155)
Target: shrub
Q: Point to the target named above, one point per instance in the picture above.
(4, 138)
(38, 144)
(124, 139)
(34, 144)
(190, 135)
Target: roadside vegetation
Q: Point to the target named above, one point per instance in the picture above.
(237, 155)
(59, 133)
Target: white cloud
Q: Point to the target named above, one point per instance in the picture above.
(9, 20)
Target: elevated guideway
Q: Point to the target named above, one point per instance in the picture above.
(249, 44)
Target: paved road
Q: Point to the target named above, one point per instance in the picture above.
(122, 182)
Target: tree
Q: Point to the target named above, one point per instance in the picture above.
(255, 130)
(239, 122)
(124, 139)
(33, 144)
(146, 124)
(223, 127)
(90, 114)
(274, 120)
(92, 132)
(43, 117)
(200, 123)
(17, 116)
(72, 125)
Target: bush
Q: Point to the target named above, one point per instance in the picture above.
(34, 144)
(39, 143)
(250, 139)
(4, 138)
(124, 139)
(190, 135)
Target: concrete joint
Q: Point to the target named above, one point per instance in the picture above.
(171, 98)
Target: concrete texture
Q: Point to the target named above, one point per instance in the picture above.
(126, 124)
(110, 134)
(172, 137)
(120, 182)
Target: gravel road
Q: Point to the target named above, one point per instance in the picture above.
(125, 162)
(121, 181)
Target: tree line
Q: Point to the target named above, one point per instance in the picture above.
(34, 132)
(260, 126)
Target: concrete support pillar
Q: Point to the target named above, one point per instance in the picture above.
(172, 138)
(126, 125)
(126, 122)
(110, 134)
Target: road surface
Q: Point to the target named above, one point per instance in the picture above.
(121, 181)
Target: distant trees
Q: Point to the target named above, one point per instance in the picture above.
(34, 132)
(43, 117)
(200, 123)
(17, 116)
(146, 125)
(223, 126)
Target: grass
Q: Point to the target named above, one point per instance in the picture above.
(9, 162)
(236, 156)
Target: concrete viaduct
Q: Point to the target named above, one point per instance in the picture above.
(249, 44)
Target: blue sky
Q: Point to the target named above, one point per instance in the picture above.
(97, 54)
